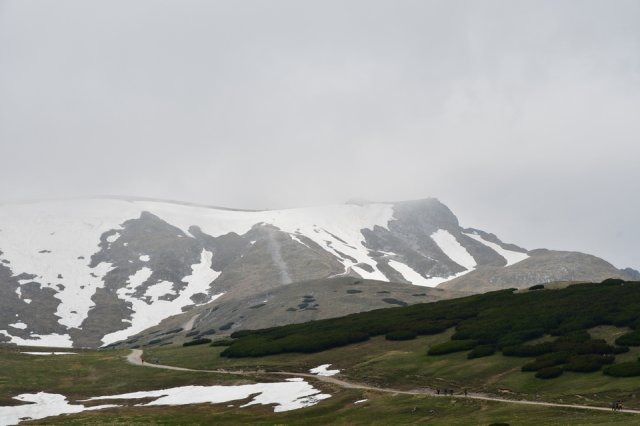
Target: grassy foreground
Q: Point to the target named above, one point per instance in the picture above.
(379, 362)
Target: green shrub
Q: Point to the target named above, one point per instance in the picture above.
(452, 346)
(194, 342)
(629, 339)
(222, 342)
(587, 363)
(401, 335)
(528, 350)
(623, 369)
(537, 287)
(481, 351)
(549, 373)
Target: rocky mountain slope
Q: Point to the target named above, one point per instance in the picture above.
(92, 272)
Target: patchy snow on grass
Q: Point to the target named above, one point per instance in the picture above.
(147, 314)
(49, 353)
(39, 406)
(510, 256)
(322, 370)
(360, 401)
(289, 395)
(453, 249)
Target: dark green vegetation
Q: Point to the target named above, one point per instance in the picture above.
(504, 321)
(199, 341)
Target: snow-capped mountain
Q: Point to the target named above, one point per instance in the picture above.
(94, 271)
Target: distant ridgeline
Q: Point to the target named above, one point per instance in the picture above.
(498, 321)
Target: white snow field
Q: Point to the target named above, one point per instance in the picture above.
(510, 256)
(291, 394)
(322, 370)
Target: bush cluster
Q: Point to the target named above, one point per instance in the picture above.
(503, 319)
(549, 373)
(452, 346)
(623, 369)
(401, 335)
(194, 342)
(481, 351)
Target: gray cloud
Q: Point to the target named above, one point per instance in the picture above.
(522, 116)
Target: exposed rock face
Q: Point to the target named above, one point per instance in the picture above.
(92, 272)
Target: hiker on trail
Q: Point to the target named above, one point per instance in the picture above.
(438, 391)
(465, 392)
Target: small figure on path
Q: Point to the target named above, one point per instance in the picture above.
(438, 391)
(465, 392)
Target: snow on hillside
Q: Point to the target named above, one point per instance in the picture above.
(54, 242)
(510, 256)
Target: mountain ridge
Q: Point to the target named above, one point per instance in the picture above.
(89, 272)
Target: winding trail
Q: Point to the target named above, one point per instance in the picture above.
(136, 358)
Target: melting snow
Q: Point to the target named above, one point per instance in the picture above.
(414, 277)
(453, 249)
(145, 258)
(66, 230)
(147, 315)
(41, 405)
(510, 256)
(49, 353)
(361, 401)
(289, 395)
(19, 325)
(50, 340)
(321, 370)
(113, 237)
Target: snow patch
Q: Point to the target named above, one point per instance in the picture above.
(113, 237)
(453, 249)
(322, 370)
(49, 353)
(510, 256)
(146, 314)
(39, 406)
(288, 395)
(50, 340)
(19, 324)
(360, 401)
(413, 276)
(145, 258)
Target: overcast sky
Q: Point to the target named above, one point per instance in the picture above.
(522, 116)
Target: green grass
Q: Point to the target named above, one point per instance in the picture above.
(340, 410)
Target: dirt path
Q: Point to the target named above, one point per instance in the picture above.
(136, 358)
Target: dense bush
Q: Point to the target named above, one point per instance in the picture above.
(452, 346)
(623, 369)
(494, 318)
(537, 287)
(222, 342)
(549, 373)
(481, 351)
(194, 342)
(588, 363)
(629, 339)
(401, 335)
(547, 360)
